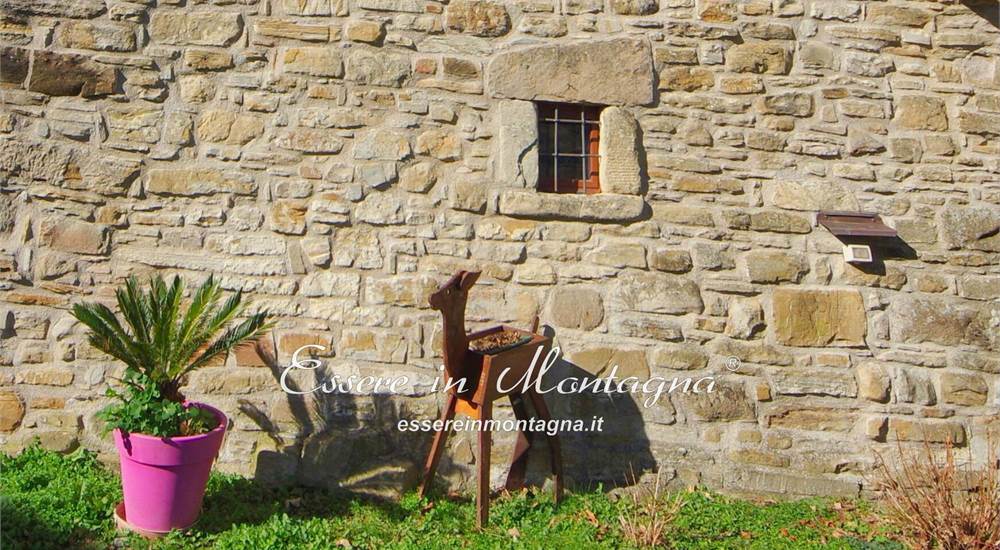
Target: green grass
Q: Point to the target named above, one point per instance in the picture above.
(54, 501)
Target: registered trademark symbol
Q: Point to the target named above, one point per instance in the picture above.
(733, 363)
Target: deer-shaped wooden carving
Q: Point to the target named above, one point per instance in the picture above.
(474, 398)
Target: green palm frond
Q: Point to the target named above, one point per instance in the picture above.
(243, 333)
(163, 341)
(109, 336)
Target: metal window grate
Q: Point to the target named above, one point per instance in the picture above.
(569, 138)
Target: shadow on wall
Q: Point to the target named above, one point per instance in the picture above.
(352, 441)
(339, 440)
(987, 9)
(615, 456)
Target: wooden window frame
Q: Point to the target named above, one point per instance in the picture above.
(587, 118)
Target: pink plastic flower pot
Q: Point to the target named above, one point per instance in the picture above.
(164, 478)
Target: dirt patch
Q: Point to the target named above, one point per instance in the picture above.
(498, 341)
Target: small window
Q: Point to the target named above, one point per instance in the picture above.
(568, 141)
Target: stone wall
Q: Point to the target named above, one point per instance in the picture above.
(339, 158)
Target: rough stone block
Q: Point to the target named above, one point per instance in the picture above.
(517, 144)
(76, 9)
(818, 317)
(599, 361)
(11, 410)
(963, 389)
(313, 60)
(635, 7)
(371, 32)
(621, 150)
(906, 429)
(726, 403)
(196, 181)
(382, 144)
(69, 235)
(377, 68)
(759, 57)
(594, 208)
(575, 308)
(772, 266)
(477, 17)
(605, 72)
(110, 37)
(440, 144)
(198, 28)
(873, 382)
(283, 28)
(816, 419)
(658, 293)
(922, 113)
(14, 64)
(63, 74)
(310, 141)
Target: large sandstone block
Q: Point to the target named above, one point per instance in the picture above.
(979, 123)
(787, 103)
(403, 290)
(774, 266)
(313, 61)
(907, 429)
(819, 317)
(873, 382)
(658, 293)
(635, 7)
(620, 150)
(440, 144)
(371, 345)
(725, 403)
(11, 411)
(817, 419)
(759, 57)
(884, 14)
(200, 28)
(788, 485)
(377, 68)
(686, 79)
(14, 64)
(283, 28)
(576, 308)
(936, 320)
(829, 382)
(477, 17)
(680, 356)
(593, 208)
(517, 146)
(963, 389)
(600, 361)
(382, 144)
(307, 140)
(606, 72)
(922, 113)
(69, 235)
(974, 227)
(196, 181)
(111, 37)
(76, 9)
(64, 74)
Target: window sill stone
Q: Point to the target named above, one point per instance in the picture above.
(600, 207)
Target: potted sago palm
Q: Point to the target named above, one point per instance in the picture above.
(166, 443)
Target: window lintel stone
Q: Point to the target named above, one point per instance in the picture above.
(601, 72)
